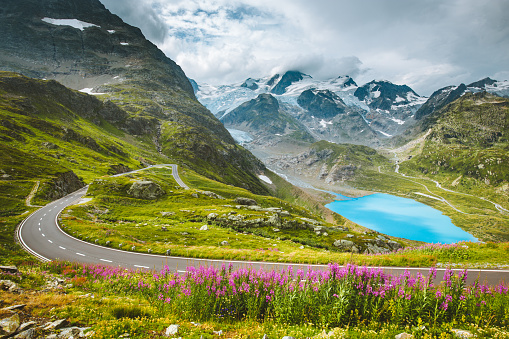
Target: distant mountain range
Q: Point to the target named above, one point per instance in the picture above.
(336, 110)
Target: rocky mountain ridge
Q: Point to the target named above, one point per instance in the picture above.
(383, 106)
(387, 109)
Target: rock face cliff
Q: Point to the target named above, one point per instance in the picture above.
(83, 46)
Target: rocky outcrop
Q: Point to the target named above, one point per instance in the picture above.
(146, 189)
(322, 104)
(346, 246)
(63, 184)
(245, 201)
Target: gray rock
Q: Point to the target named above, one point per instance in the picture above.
(14, 307)
(204, 228)
(212, 195)
(311, 221)
(8, 285)
(245, 201)
(212, 216)
(168, 252)
(70, 333)
(167, 214)
(49, 145)
(275, 229)
(462, 333)
(346, 245)
(55, 325)
(288, 337)
(394, 245)
(171, 330)
(9, 269)
(403, 335)
(9, 325)
(28, 334)
(195, 195)
(26, 326)
(145, 190)
(163, 228)
(374, 249)
(225, 243)
(274, 220)
(350, 235)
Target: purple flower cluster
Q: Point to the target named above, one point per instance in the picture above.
(335, 296)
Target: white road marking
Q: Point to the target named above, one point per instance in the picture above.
(105, 260)
(44, 215)
(49, 211)
(141, 266)
(61, 247)
(43, 235)
(50, 241)
(40, 219)
(39, 228)
(39, 224)
(81, 254)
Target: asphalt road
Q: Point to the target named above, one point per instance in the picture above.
(41, 236)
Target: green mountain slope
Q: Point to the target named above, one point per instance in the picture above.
(468, 138)
(114, 58)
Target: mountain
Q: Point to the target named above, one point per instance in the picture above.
(446, 95)
(83, 46)
(264, 117)
(387, 109)
(467, 138)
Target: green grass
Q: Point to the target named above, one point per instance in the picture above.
(113, 218)
(114, 306)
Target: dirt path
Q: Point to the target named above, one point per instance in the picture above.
(28, 201)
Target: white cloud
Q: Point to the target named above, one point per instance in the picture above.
(424, 44)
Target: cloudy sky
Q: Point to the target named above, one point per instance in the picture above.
(426, 44)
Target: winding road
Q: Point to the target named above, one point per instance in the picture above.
(40, 235)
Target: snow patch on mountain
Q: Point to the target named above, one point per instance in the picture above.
(75, 23)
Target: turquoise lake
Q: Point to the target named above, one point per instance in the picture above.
(401, 217)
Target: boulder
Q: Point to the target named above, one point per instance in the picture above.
(346, 245)
(204, 228)
(167, 214)
(55, 325)
(145, 189)
(212, 216)
(8, 285)
(212, 195)
(171, 330)
(375, 249)
(245, 201)
(70, 333)
(225, 243)
(9, 325)
(9, 269)
(28, 334)
(394, 245)
(403, 335)
(274, 220)
(462, 333)
(14, 307)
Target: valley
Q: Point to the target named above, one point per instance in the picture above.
(135, 201)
